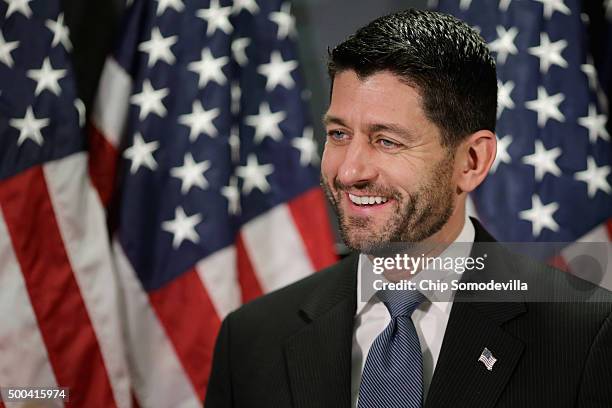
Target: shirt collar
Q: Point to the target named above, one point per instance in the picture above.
(466, 235)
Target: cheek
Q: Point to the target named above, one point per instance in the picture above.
(330, 161)
(405, 175)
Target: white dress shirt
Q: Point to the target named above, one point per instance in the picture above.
(429, 319)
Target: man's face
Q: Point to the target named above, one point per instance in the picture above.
(384, 168)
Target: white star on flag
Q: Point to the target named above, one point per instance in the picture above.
(591, 73)
(150, 100)
(217, 18)
(200, 121)
(239, 50)
(232, 193)
(47, 78)
(284, 20)
(546, 106)
(249, 5)
(266, 123)
(158, 48)
(61, 33)
(182, 227)
(234, 143)
(20, 6)
(540, 216)
(307, 147)
(5, 51)
(504, 98)
(191, 173)
(504, 4)
(163, 5)
(80, 107)
(254, 175)
(235, 94)
(543, 161)
(550, 6)
(549, 53)
(141, 154)
(209, 68)
(596, 124)
(278, 71)
(504, 44)
(502, 155)
(595, 177)
(29, 127)
(465, 4)
(608, 6)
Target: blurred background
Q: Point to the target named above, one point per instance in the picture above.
(320, 24)
(158, 168)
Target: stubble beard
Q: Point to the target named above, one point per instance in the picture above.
(416, 217)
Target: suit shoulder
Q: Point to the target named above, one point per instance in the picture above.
(291, 297)
(563, 294)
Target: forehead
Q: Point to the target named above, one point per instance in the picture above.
(378, 98)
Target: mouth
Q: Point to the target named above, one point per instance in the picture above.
(367, 200)
(366, 204)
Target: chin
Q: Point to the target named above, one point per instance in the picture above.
(363, 240)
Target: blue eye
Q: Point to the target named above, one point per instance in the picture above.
(336, 134)
(387, 143)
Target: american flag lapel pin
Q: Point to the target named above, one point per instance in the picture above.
(486, 357)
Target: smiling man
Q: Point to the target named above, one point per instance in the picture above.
(386, 168)
(410, 132)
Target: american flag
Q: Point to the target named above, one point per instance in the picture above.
(551, 179)
(201, 119)
(58, 299)
(487, 359)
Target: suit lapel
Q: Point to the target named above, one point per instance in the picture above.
(459, 378)
(319, 356)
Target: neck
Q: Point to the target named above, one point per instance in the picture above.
(451, 230)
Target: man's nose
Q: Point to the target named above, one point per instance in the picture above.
(358, 165)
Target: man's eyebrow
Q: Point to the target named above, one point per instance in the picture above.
(392, 128)
(330, 119)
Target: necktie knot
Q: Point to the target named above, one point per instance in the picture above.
(400, 302)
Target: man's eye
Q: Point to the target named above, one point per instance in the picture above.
(386, 143)
(336, 134)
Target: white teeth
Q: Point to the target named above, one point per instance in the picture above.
(367, 200)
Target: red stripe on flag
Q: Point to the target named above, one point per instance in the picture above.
(559, 262)
(609, 228)
(62, 318)
(135, 403)
(191, 323)
(309, 213)
(103, 159)
(249, 285)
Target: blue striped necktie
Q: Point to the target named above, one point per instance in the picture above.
(393, 372)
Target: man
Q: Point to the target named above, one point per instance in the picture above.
(410, 132)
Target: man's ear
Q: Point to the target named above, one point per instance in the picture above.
(474, 158)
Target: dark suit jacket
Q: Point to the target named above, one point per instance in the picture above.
(292, 348)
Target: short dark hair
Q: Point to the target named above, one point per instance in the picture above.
(446, 60)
